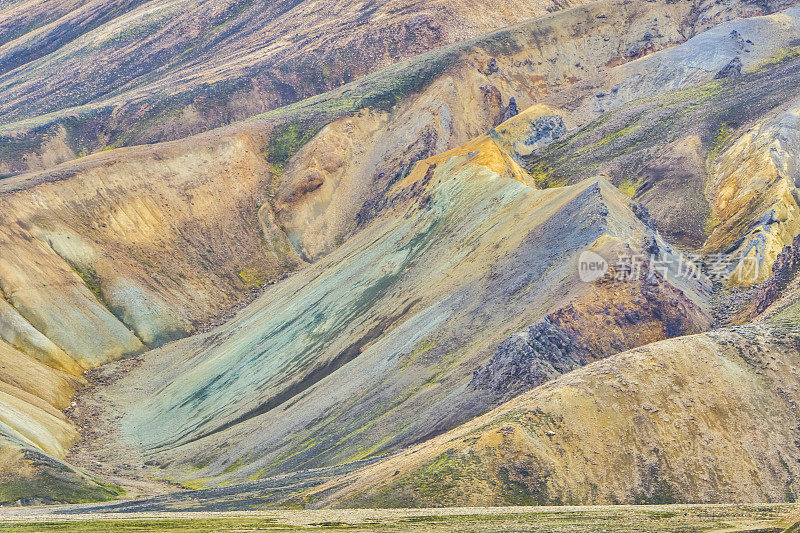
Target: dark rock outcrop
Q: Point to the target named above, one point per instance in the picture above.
(627, 310)
(543, 131)
(643, 214)
(529, 358)
(784, 271)
(511, 110)
(731, 70)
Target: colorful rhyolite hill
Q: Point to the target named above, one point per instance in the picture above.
(327, 254)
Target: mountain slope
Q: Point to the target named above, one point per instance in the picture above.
(394, 322)
(397, 271)
(301, 445)
(124, 72)
(710, 417)
(230, 204)
(120, 73)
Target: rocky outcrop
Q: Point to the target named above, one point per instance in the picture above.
(540, 132)
(731, 70)
(510, 111)
(784, 271)
(630, 313)
(529, 358)
(755, 197)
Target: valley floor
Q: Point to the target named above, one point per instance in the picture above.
(651, 518)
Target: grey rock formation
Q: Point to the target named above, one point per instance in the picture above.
(529, 358)
(541, 132)
(731, 70)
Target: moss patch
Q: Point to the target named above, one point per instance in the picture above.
(57, 487)
(286, 140)
(253, 278)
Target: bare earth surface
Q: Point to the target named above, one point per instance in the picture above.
(100, 448)
(666, 518)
